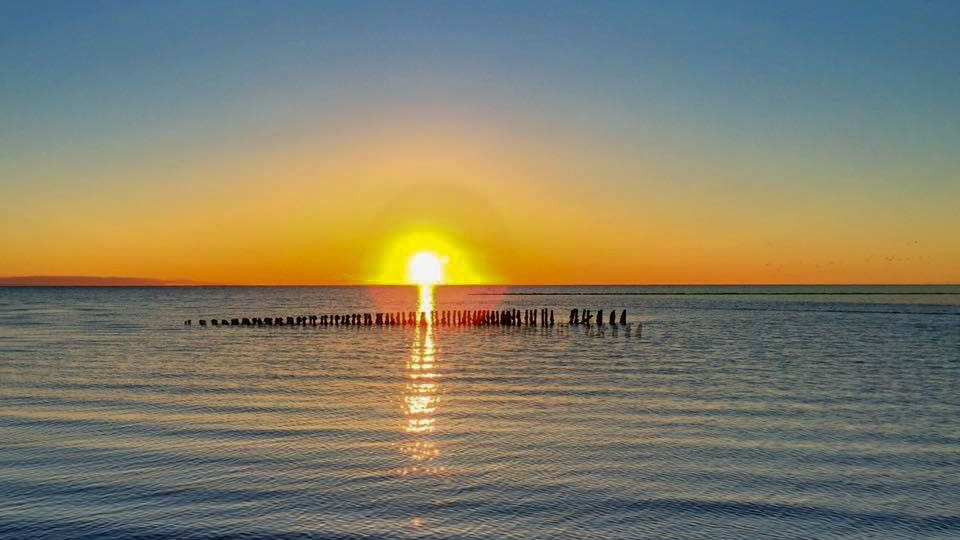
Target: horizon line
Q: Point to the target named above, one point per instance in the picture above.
(53, 281)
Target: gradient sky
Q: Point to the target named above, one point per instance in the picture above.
(532, 142)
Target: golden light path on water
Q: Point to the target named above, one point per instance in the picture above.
(421, 394)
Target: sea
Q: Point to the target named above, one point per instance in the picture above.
(719, 412)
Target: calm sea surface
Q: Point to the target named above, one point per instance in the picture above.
(740, 412)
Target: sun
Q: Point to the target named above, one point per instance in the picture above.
(426, 268)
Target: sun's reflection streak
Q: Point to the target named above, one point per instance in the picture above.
(421, 393)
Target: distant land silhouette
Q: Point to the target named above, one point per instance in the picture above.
(89, 281)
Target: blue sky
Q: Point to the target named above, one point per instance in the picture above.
(814, 100)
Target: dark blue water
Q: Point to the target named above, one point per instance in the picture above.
(766, 412)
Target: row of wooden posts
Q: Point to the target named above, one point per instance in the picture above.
(509, 317)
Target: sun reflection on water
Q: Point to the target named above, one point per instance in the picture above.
(421, 393)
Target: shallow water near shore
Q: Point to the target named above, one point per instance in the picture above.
(739, 412)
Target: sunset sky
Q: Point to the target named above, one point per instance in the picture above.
(527, 142)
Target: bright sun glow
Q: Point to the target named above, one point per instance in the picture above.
(426, 268)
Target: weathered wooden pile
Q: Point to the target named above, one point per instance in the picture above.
(508, 317)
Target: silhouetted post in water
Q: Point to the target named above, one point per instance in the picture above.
(623, 317)
(202, 322)
(639, 328)
(573, 317)
(224, 322)
(599, 317)
(551, 317)
(214, 322)
(234, 322)
(587, 315)
(245, 322)
(613, 317)
(187, 322)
